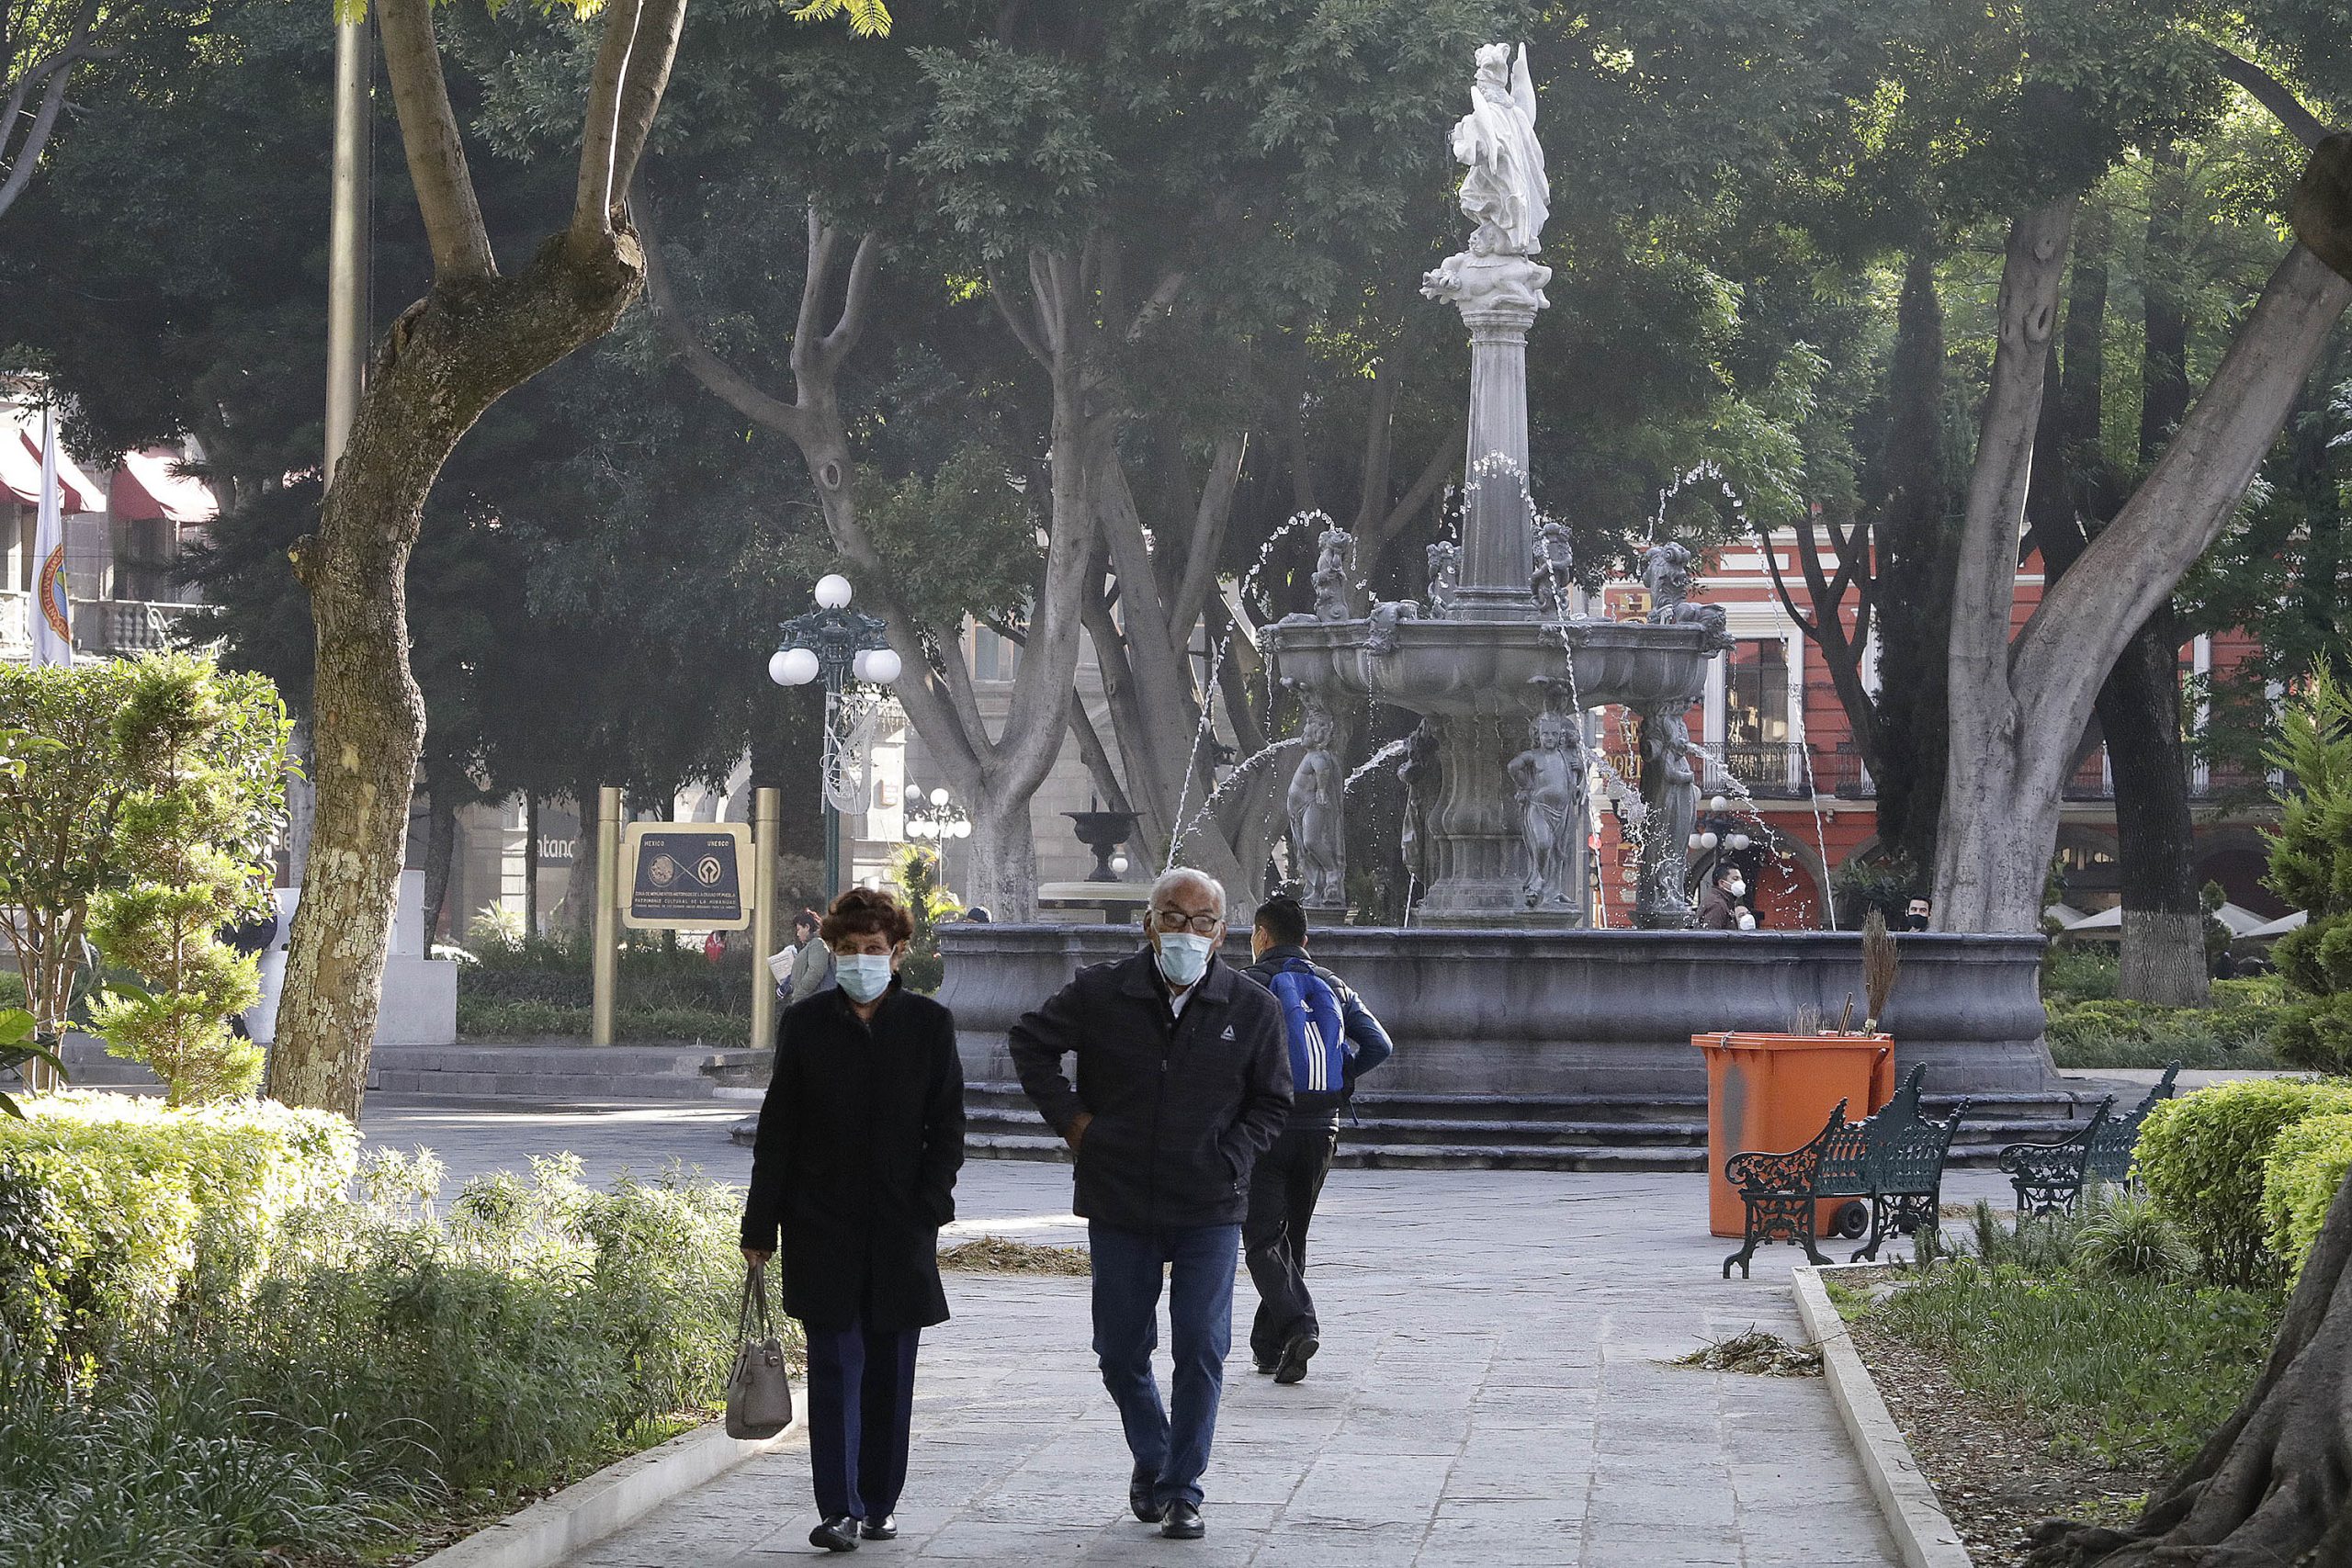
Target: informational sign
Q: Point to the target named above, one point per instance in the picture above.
(685, 874)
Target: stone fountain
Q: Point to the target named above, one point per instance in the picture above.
(1501, 660)
(1501, 993)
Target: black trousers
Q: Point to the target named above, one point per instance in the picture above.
(1283, 1191)
(861, 1402)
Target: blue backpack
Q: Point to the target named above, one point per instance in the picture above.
(1319, 1046)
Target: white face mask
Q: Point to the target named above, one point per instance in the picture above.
(1736, 888)
(863, 976)
(1184, 958)
(1747, 921)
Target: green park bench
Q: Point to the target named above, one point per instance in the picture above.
(2050, 1177)
(1892, 1161)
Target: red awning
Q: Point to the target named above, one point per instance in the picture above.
(20, 466)
(145, 487)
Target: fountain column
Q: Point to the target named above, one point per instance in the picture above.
(1497, 296)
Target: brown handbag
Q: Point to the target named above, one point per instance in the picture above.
(759, 1391)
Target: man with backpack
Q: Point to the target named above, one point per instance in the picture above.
(1334, 1041)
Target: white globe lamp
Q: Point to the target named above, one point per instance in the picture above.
(1737, 842)
(1706, 841)
(962, 828)
(881, 665)
(939, 795)
(832, 591)
(792, 667)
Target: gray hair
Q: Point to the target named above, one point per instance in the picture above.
(1177, 877)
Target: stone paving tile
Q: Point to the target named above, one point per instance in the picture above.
(1490, 1392)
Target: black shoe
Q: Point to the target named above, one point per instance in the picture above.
(1183, 1522)
(1139, 1486)
(1265, 1369)
(836, 1532)
(1295, 1354)
(884, 1529)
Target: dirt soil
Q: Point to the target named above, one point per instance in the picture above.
(1991, 1463)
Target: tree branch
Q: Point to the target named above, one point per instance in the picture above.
(1209, 520)
(437, 156)
(1442, 462)
(58, 70)
(808, 337)
(658, 26)
(1023, 330)
(854, 301)
(1372, 475)
(1098, 756)
(593, 191)
(2272, 93)
(716, 375)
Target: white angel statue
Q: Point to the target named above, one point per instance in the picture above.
(1505, 192)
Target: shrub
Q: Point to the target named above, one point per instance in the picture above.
(2202, 1158)
(2079, 972)
(2232, 1031)
(2125, 1236)
(137, 1199)
(485, 1019)
(2311, 867)
(2300, 1180)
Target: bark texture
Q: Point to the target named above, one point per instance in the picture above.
(473, 338)
(2273, 1484)
(2018, 707)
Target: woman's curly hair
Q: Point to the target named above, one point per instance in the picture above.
(864, 911)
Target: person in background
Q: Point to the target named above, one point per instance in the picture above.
(803, 932)
(1334, 1041)
(977, 915)
(714, 947)
(1920, 915)
(812, 967)
(860, 1139)
(1182, 1081)
(1719, 908)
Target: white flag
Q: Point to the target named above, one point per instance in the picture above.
(53, 612)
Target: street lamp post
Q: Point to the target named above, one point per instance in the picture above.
(842, 645)
(937, 819)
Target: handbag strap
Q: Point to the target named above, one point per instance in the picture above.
(754, 1314)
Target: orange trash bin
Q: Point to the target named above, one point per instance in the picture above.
(1773, 1092)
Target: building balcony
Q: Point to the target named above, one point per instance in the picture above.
(115, 627)
(2093, 780)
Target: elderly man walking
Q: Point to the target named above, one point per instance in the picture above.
(1182, 1080)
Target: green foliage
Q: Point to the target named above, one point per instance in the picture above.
(2233, 1030)
(2130, 1370)
(2202, 1159)
(209, 749)
(486, 1018)
(917, 873)
(2300, 1180)
(2311, 867)
(385, 1368)
(2126, 1237)
(142, 1197)
(2079, 972)
(19, 1048)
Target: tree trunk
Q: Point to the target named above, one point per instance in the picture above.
(530, 866)
(1914, 578)
(578, 908)
(2271, 1487)
(2017, 708)
(440, 854)
(2000, 817)
(447, 359)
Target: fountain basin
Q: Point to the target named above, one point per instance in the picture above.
(1464, 668)
(1576, 1012)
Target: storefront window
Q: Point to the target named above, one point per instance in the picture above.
(1756, 699)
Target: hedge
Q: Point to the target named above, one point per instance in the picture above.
(2235, 1030)
(2300, 1180)
(110, 1204)
(2202, 1158)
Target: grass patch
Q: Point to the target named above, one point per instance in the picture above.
(2131, 1372)
(1001, 1255)
(2235, 1030)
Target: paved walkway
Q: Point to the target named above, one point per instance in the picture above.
(1490, 1392)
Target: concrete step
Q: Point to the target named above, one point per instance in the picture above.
(1412, 1156)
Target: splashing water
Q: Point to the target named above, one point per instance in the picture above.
(1389, 752)
(1216, 662)
(1707, 470)
(1208, 803)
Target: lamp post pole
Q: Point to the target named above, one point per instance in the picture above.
(840, 643)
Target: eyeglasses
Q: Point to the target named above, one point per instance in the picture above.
(1177, 921)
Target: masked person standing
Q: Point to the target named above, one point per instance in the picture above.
(1719, 908)
(860, 1138)
(1182, 1080)
(1334, 1040)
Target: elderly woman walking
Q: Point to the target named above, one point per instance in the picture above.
(860, 1139)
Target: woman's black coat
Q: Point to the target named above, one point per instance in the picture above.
(860, 1139)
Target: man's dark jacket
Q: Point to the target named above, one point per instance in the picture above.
(1183, 1106)
(1371, 1044)
(860, 1139)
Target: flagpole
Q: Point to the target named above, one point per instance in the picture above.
(347, 236)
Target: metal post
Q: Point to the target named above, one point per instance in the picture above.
(767, 814)
(608, 959)
(347, 236)
(832, 817)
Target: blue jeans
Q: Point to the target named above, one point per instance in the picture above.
(1127, 1328)
(861, 1402)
